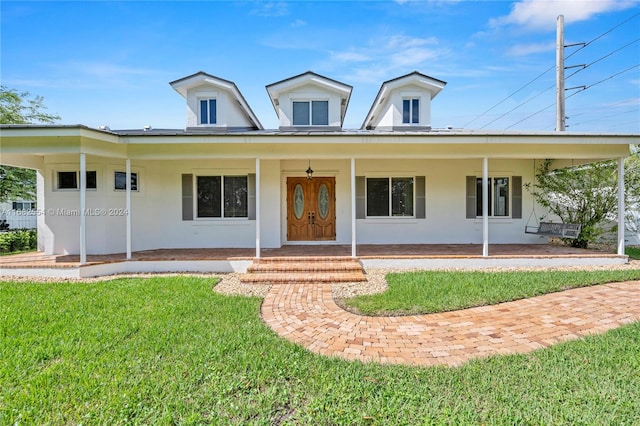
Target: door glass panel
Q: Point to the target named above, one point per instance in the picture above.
(323, 201)
(298, 201)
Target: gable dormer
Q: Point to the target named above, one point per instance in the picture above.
(404, 103)
(310, 101)
(215, 104)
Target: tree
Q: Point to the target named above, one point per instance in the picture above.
(20, 108)
(17, 108)
(587, 194)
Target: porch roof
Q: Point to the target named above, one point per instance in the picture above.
(24, 143)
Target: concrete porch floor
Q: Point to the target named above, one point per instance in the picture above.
(365, 252)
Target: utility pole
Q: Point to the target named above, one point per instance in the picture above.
(560, 112)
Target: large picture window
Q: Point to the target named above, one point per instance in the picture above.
(390, 197)
(498, 190)
(222, 196)
(314, 113)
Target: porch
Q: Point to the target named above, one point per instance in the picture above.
(224, 260)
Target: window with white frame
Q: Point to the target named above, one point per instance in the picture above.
(311, 113)
(411, 111)
(70, 180)
(498, 190)
(120, 181)
(24, 205)
(222, 197)
(208, 111)
(390, 196)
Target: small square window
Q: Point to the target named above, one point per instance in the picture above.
(120, 181)
(67, 180)
(315, 113)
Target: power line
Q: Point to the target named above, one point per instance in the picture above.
(549, 69)
(603, 34)
(529, 116)
(573, 94)
(518, 106)
(602, 117)
(603, 80)
(508, 97)
(601, 58)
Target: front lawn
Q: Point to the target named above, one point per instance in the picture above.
(633, 252)
(436, 291)
(171, 351)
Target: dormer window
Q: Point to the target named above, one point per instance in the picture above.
(311, 113)
(208, 111)
(411, 111)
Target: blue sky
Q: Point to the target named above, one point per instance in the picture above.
(109, 63)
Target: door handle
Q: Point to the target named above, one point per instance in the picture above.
(313, 218)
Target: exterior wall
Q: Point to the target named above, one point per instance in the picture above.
(445, 204)
(228, 112)
(157, 209)
(306, 93)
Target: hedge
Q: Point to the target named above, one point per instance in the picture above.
(18, 240)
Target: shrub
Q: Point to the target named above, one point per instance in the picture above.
(18, 240)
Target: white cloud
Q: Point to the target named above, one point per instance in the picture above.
(105, 70)
(412, 56)
(350, 57)
(298, 23)
(390, 56)
(401, 41)
(542, 14)
(271, 9)
(528, 49)
(87, 74)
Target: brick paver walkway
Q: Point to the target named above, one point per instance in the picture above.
(307, 315)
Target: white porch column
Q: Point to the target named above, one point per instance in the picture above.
(621, 218)
(353, 207)
(128, 206)
(83, 208)
(485, 207)
(257, 208)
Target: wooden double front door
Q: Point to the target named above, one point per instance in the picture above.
(311, 209)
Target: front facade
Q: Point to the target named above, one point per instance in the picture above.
(225, 182)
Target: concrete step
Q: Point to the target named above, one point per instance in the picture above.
(260, 267)
(302, 277)
(306, 269)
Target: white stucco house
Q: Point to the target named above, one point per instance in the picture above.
(225, 181)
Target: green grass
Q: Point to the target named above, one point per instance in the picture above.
(633, 252)
(438, 291)
(170, 351)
